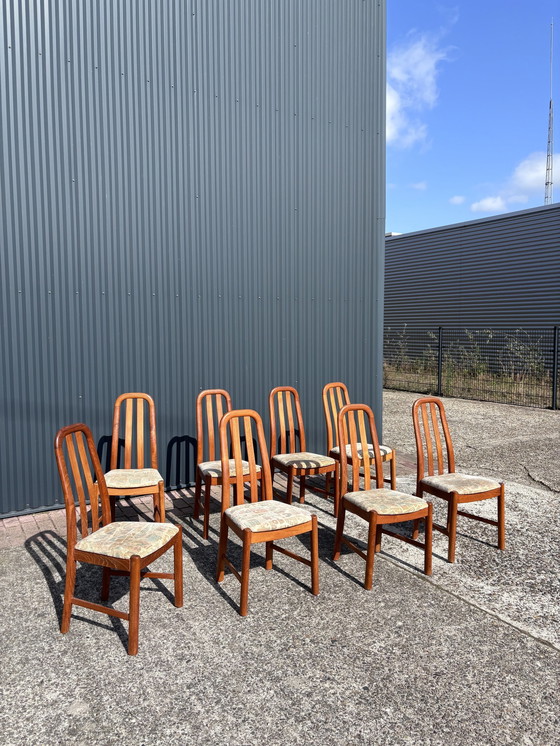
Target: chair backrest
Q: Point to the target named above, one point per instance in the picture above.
(240, 431)
(211, 405)
(133, 428)
(335, 396)
(356, 424)
(83, 483)
(287, 434)
(431, 432)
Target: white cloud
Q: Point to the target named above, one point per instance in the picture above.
(420, 186)
(489, 204)
(526, 181)
(457, 200)
(412, 71)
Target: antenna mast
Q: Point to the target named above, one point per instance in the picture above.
(550, 145)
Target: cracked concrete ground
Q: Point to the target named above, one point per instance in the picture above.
(468, 656)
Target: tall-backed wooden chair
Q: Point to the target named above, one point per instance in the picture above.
(265, 521)
(436, 473)
(335, 396)
(287, 443)
(130, 476)
(120, 548)
(211, 405)
(377, 505)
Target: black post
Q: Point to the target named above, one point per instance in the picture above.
(440, 361)
(555, 370)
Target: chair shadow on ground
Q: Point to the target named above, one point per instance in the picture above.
(48, 551)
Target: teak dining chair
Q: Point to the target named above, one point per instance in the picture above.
(335, 396)
(120, 548)
(287, 443)
(211, 405)
(378, 506)
(436, 473)
(132, 477)
(254, 522)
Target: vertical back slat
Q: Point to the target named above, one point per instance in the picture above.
(437, 438)
(129, 412)
(91, 488)
(235, 440)
(139, 433)
(363, 443)
(210, 427)
(427, 439)
(281, 421)
(290, 404)
(251, 458)
(78, 483)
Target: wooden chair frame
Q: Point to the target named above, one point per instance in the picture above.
(89, 488)
(136, 445)
(336, 396)
(427, 411)
(230, 434)
(211, 405)
(354, 421)
(283, 403)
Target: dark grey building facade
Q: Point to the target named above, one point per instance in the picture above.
(192, 197)
(497, 271)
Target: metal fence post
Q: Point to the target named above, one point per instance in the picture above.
(555, 370)
(440, 361)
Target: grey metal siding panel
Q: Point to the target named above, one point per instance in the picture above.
(500, 271)
(192, 196)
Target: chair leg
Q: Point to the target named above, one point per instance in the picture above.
(314, 556)
(339, 530)
(178, 568)
(336, 489)
(289, 487)
(328, 483)
(68, 595)
(245, 564)
(452, 526)
(372, 534)
(378, 538)
(197, 494)
(105, 584)
(393, 468)
(415, 528)
(502, 518)
(224, 530)
(207, 490)
(302, 489)
(159, 504)
(134, 611)
(113, 504)
(428, 542)
(269, 553)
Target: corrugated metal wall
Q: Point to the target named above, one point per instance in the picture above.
(498, 271)
(192, 196)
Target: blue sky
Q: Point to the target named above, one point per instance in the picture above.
(468, 89)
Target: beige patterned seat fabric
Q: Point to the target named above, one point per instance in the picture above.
(385, 450)
(386, 502)
(214, 468)
(463, 484)
(123, 539)
(267, 515)
(120, 479)
(303, 460)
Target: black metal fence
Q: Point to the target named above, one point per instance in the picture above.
(512, 366)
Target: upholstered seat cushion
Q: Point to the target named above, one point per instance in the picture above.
(463, 484)
(384, 450)
(123, 539)
(267, 515)
(303, 460)
(214, 468)
(120, 479)
(386, 502)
